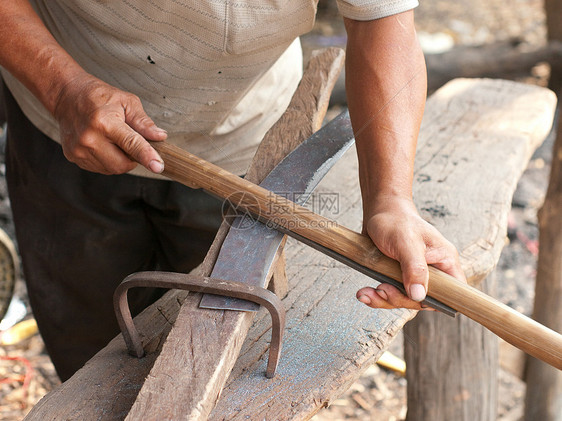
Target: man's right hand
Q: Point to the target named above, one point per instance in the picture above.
(104, 129)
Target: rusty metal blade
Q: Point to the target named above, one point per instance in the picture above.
(295, 177)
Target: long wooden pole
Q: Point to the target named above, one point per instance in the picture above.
(517, 329)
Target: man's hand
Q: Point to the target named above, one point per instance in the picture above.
(386, 88)
(400, 233)
(104, 129)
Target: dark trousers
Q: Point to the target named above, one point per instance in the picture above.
(2, 111)
(79, 234)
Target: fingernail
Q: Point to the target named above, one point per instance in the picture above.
(365, 300)
(417, 292)
(156, 166)
(159, 130)
(382, 294)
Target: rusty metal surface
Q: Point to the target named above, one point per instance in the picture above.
(194, 283)
(249, 249)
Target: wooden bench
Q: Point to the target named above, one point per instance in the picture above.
(476, 139)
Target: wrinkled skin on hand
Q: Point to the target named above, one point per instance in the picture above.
(104, 129)
(399, 232)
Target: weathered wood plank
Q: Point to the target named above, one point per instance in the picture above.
(279, 283)
(452, 364)
(203, 345)
(459, 380)
(108, 385)
(470, 140)
(517, 329)
(310, 306)
(476, 139)
(330, 337)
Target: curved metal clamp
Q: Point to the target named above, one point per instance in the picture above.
(196, 283)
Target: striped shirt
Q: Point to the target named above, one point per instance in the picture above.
(216, 74)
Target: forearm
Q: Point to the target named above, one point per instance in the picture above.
(386, 87)
(102, 128)
(32, 55)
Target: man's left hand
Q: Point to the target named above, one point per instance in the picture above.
(399, 232)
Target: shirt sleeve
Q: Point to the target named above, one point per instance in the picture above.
(374, 9)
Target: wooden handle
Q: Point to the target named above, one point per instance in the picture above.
(517, 329)
(521, 331)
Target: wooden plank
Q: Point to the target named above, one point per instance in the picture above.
(203, 345)
(459, 380)
(476, 139)
(506, 58)
(456, 377)
(330, 337)
(468, 133)
(374, 332)
(510, 325)
(107, 386)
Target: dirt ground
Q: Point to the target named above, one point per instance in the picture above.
(25, 370)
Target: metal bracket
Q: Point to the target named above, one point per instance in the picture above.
(194, 283)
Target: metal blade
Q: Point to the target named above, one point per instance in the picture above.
(249, 248)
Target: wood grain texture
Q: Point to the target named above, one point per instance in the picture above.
(106, 387)
(450, 361)
(330, 337)
(452, 367)
(304, 115)
(484, 117)
(476, 138)
(322, 312)
(203, 345)
(493, 60)
(279, 284)
(319, 331)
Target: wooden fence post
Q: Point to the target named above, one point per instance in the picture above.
(544, 383)
(452, 367)
(543, 399)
